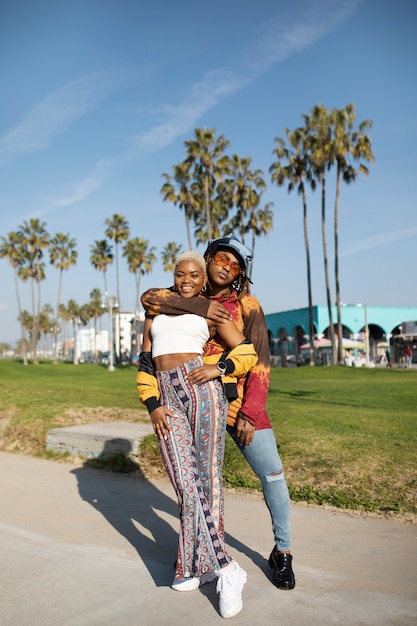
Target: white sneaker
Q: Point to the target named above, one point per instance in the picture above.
(208, 577)
(186, 584)
(230, 586)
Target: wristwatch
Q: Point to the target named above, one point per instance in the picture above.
(222, 367)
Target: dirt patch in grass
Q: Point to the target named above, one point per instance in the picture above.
(101, 414)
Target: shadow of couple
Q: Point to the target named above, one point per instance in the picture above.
(146, 517)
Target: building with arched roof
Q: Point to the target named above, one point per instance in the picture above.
(288, 330)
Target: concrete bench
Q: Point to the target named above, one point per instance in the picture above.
(98, 440)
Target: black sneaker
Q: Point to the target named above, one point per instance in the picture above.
(281, 564)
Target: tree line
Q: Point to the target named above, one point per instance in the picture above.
(219, 194)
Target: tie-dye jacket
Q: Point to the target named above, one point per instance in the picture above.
(249, 318)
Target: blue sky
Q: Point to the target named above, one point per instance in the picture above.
(98, 97)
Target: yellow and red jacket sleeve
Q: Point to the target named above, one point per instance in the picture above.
(239, 361)
(146, 382)
(249, 318)
(242, 357)
(256, 385)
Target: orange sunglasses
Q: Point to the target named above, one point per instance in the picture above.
(223, 260)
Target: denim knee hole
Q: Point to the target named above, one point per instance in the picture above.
(270, 478)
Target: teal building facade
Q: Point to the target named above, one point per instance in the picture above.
(288, 330)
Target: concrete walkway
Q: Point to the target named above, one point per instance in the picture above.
(82, 547)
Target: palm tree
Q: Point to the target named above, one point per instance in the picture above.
(243, 190)
(178, 190)
(65, 316)
(12, 250)
(219, 210)
(140, 260)
(347, 143)
(293, 167)
(26, 321)
(5, 347)
(35, 239)
(96, 311)
(205, 154)
(102, 256)
(62, 255)
(260, 223)
(319, 143)
(76, 315)
(169, 255)
(47, 324)
(117, 229)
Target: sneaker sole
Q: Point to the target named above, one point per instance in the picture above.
(186, 585)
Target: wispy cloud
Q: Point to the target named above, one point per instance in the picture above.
(301, 26)
(204, 95)
(103, 170)
(377, 241)
(279, 39)
(52, 115)
(175, 121)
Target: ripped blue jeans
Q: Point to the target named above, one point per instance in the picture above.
(262, 455)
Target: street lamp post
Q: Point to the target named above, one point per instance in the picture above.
(367, 360)
(366, 337)
(111, 304)
(76, 339)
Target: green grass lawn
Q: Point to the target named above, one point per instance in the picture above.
(347, 436)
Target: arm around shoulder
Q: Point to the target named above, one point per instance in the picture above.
(166, 301)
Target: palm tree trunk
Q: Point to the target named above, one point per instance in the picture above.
(253, 251)
(336, 270)
(187, 225)
(95, 338)
(105, 284)
(137, 326)
(57, 317)
(242, 225)
(253, 256)
(310, 298)
(326, 265)
(118, 353)
(22, 330)
(74, 356)
(34, 325)
(207, 204)
(38, 317)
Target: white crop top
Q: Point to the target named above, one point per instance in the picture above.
(182, 333)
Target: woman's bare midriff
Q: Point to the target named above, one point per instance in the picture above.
(169, 361)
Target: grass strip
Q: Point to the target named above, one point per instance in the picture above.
(347, 436)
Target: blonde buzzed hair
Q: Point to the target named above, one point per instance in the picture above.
(192, 256)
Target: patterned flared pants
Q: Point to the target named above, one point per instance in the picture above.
(193, 457)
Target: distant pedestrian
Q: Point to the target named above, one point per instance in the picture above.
(408, 353)
(388, 355)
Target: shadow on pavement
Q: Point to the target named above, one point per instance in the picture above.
(137, 510)
(131, 505)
